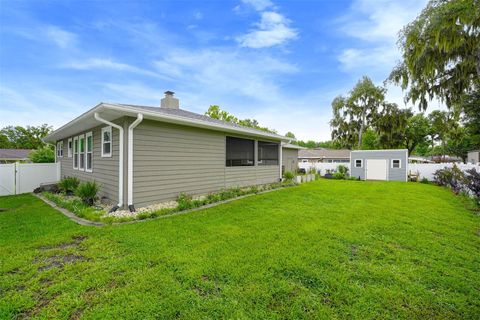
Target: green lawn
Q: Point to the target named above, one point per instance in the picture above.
(326, 249)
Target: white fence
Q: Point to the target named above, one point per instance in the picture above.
(425, 170)
(17, 178)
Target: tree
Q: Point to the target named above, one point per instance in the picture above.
(441, 53)
(391, 124)
(290, 135)
(19, 137)
(469, 107)
(416, 132)
(353, 114)
(45, 154)
(370, 140)
(215, 112)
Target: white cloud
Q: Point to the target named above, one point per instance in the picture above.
(60, 37)
(100, 63)
(272, 30)
(259, 5)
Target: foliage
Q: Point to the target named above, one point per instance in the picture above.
(310, 144)
(416, 132)
(390, 124)
(87, 192)
(352, 245)
(75, 205)
(472, 182)
(353, 114)
(68, 184)
(288, 175)
(370, 140)
(441, 53)
(424, 180)
(290, 135)
(45, 154)
(452, 178)
(18, 137)
(215, 112)
(342, 169)
(341, 173)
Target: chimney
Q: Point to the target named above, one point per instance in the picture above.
(169, 102)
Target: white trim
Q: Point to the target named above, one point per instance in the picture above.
(130, 158)
(69, 147)
(379, 150)
(87, 135)
(109, 130)
(399, 163)
(80, 137)
(75, 156)
(355, 163)
(120, 156)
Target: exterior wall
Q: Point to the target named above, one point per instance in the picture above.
(290, 159)
(172, 159)
(394, 174)
(105, 170)
(335, 160)
(473, 157)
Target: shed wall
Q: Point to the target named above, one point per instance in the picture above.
(394, 174)
(290, 159)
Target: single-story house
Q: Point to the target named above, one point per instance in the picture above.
(324, 155)
(290, 157)
(14, 155)
(148, 155)
(473, 156)
(387, 164)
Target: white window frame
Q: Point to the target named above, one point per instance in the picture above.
(107, 129)
(80, 137)
(87, 135)
(60, 149)
(361, 163)
(75, 155)
(69, 147)
(399, 164)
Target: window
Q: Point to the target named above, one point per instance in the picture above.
(75, 153)
(240, 152)
(267, 153)
(81, 153)
(358, 163)
(396, 163)
(69, 146)
(59, 149)
(89, 153)
(107, 142)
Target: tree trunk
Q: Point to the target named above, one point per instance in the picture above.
(362, 126)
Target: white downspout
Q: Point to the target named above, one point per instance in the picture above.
(130, 161)
(120, 159)
(280, 147)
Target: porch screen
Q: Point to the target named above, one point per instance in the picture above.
(240, 152)
(267, 153)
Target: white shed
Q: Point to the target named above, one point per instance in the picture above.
(389, 165)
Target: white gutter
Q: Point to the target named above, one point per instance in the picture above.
(120, 159)
(130, 161)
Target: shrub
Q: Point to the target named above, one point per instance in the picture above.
(87, 192)
(184, 201)
(43, 155)
(338, 176)
(472, 181)
(424, 180)
(342, 169)
(68, 185)
(288, 175)
(453, 178)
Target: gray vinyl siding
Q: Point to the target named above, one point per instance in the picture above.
(105, 170)
(290, 159)
(394, 174)
(171, 159)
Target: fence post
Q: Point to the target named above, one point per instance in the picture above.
(17, 178)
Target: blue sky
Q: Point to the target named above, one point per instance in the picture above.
(280, 62)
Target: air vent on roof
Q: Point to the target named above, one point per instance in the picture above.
(169, 101)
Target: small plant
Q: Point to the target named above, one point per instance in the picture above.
(185, 202)
(424, 180)
(338, 176)
(87, 192)
(288, 175)
(68, 185)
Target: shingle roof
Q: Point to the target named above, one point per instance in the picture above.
(12, 154)
(324, 153)
(187, 114)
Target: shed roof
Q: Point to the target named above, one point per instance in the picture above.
(14, 154)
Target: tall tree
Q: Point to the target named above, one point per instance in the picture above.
(442, 123)
(29, 137)
(353, 114)
(391, 124)
(416, 132)
(441, 53)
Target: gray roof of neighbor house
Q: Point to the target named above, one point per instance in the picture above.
(111, 111)
(322, 153)
(14, 154)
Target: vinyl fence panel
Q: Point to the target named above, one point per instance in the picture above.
(426, 170)
(31, 175)
(7, 179)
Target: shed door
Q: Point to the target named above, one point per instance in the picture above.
(376, 169)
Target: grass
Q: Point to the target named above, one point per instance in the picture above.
(326, 249)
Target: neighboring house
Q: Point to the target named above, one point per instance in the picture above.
(290, 157)
(445, 159)
(14, 155)
(473, 156)
(419, 159)
(324, 155)
(146, 155)
(379, 164)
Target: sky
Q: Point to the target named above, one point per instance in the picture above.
(280, 62)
